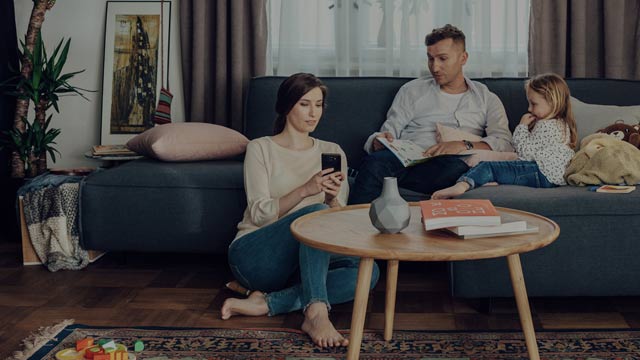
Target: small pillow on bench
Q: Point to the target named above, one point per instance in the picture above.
(592, 117)
(189, 142)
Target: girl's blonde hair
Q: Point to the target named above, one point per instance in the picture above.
(556, 92)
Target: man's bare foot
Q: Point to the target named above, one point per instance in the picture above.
(455, 190)
(318, 326)
(254, 305)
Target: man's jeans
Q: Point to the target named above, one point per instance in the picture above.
(292, 274)
(426, 177)
(525, 173)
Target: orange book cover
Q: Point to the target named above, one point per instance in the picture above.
(437, 214)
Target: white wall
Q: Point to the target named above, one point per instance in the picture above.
(84, 22)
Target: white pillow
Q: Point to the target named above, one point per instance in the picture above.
(592, 117)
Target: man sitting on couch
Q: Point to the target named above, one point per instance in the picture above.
(448, 98)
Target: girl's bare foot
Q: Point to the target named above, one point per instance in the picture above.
(318, 326)
(452, 191)
(254, 305)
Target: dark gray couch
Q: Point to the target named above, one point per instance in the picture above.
(147, 205)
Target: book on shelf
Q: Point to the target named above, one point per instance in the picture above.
(509, 225)
(410, 153)
(614, 189)
(530, 229)
(438, 214)
(111, 150)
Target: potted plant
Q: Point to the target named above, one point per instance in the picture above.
(41, 81)
(35, 140)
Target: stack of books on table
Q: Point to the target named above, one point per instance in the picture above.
(471, 218)
(111, 150)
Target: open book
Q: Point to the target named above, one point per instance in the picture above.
(410, 153)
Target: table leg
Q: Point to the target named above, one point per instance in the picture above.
(520, 292)
(360, 308)
(390, 300)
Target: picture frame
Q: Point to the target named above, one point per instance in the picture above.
(131, 77)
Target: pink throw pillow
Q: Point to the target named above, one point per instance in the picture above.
(189, 142)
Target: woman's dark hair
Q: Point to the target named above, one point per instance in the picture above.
(290, 91)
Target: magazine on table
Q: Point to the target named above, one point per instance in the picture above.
(438, 214)
(410, 153)
(111, 150)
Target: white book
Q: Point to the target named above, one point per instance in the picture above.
(529, 230)
(508, 223)
(410, 153)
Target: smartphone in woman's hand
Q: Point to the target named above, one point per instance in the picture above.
(332, 161)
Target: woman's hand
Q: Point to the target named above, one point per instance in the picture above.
(315, 185)
(527, 119)
(331, 188)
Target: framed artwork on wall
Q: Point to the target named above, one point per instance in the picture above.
(131, 71)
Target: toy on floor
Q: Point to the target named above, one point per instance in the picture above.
(103, 349)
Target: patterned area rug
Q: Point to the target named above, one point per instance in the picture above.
(284, 344)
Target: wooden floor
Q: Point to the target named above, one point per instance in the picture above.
(187, 291)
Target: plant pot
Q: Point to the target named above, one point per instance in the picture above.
(390, 213)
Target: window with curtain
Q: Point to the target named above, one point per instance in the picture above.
(386, 37)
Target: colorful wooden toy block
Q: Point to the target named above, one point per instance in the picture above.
(109, 350)
(91, 352)
(138, 346)
(84, 343)
(109, 346)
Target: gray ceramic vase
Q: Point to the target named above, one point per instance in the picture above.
(389, 213)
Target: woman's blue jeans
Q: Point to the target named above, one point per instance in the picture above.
(525, 173)
(293, 275)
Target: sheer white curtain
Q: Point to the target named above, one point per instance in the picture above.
(386, 37)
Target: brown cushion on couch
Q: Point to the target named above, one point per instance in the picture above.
(189, 142)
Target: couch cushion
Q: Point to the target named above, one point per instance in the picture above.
(559, 201)
(149, 205)
(218, 174)
(189, 142)
(593, 117)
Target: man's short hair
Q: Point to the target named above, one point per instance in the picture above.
(446, 32)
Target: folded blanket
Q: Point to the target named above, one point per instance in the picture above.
(51, 217)
(603, 159)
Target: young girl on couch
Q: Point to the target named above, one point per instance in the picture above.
(544, 140)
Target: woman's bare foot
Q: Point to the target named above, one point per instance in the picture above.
(318, 326)
(455, 190)
(254, 305)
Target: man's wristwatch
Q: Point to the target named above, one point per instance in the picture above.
(468, 144)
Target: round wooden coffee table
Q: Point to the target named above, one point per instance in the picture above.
(348, 231)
